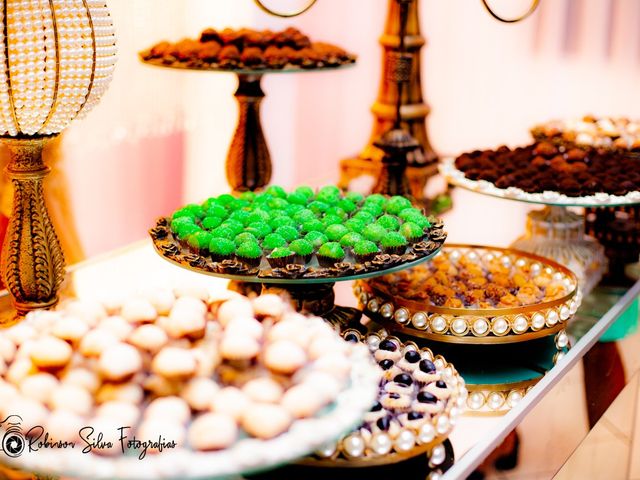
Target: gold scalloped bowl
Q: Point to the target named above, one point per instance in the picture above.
(403, 301)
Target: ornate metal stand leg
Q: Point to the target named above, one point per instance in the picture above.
(248, 160)
(32, 260)
(317, 299)
(557, 233)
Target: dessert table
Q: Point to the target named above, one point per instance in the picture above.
(551, 420)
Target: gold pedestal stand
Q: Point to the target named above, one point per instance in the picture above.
(32, 263)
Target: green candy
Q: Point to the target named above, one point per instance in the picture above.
(187, 229)
(304, 215)
(259, 215)
(328, 220)
(396, 204)
(225, 199)
(241, 216)
(375, 199)
(313, 226)
(273, 240)
(336, 232)
(283, 221)
(192, 211)
(278, 203)
(237, 204)
(307, 192)
(407, 213)
(244, 237)
(199, 239)
(221, 246)
(316, 238)
(418, 219)
(235, 226)
(354, 225)
(347, 205)
(354, 197)
(301, 247)
(411, 230)
(393, 239)
(365, 247)
(288, 232)
(247, 196)
(276, 191)
(223, 232)
(373, 209)
(297, 198)
(281, 252)
(350, 239)
(374, 232)
(177, 222)
(216, 210)
(259, 229)
(389, 222)
(211, 222)
(364, 217)
(318, 207)
(337, 211)
(328, 198)
(293, 208)
(330, 190)
(249, 249)
(332, 250)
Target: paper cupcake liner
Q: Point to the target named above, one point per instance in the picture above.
(249, 262)
(328, 262)
(366, 258)
(216, 257)
(281, 262)
(303, 259)
(395, 250)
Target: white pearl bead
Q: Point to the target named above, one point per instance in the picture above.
(405, 441)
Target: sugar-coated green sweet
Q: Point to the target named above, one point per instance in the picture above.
(372, 208)
(259, 215)
(365, 247)
(216, 210)
(304, 216)
(332, 250)
(244, 237)
(411, 230)
(221, 246)
(176, 222)
(418, 219)
(318, 207)
(354, 225)
(409, 212)
(199, 239)
(259, 229)
(389, 222)
(393, 239)
(235, 226)
(223, 232)
(277, 191)
(331, 220)
(374, 232)
(208, 202)
(281, 252)
(247, 196)
(278, 203)
(337, 211)
(329, 190)
(336, 232)
(237, 204)
(306, 191)
(225, 199)
(301, 247)
(365, 217)
(354, 197)
(241, 216)
(293, 208)
(249, 249)
(375, 199)
(192, 211)
(187, 229)
(396, 204)
(350, 239)
(297, 198)
(211, 222)
(288, 232)
(316, 238)
(314, 225)
(261, 200)
(273, 240)
(283, 221)
(328, 197)
(347, 205)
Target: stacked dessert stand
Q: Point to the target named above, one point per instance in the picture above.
(501, 352)
(248, 165)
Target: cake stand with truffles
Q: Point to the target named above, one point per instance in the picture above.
(250, 55)
(420, 399)
(210, 387)
(556, 231)
(301, 242)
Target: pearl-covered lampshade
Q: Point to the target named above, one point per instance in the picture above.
(56, 60)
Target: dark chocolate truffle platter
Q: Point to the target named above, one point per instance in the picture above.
(250, 54)
(420, 399)
(475, 295)
(301, 241)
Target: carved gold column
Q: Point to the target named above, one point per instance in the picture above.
(32, 263)
(413, 110)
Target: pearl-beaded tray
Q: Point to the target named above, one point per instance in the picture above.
(380, 300)
(370, 444)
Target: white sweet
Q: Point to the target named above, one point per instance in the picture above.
(149, 337)
(284, 356)
(234, 308)
(246, 327)
(71, 329)
(161, 299)
(174, 362)
(230, 401)
(96, 341)
(38, 386)
(119, 361)
(73, 398)
(124, 413)
(157, 428)
(51, 352)
(171, 409)
(136, 310)
(7, 349)
(122, 392)
(212, 431)
(82, 377)
(265, 420)
(268, 305)
(116, 325)
(64, 425)
(239, 347)
(302, 401)
(19, 370)
(264, 390)
(199, 392)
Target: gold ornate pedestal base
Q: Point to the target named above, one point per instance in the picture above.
(32, 260)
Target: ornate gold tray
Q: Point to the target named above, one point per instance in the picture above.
(356, 450)
(475, 325)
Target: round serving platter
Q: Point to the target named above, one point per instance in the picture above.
(357, 450)
(456, 177)
(384, 302)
